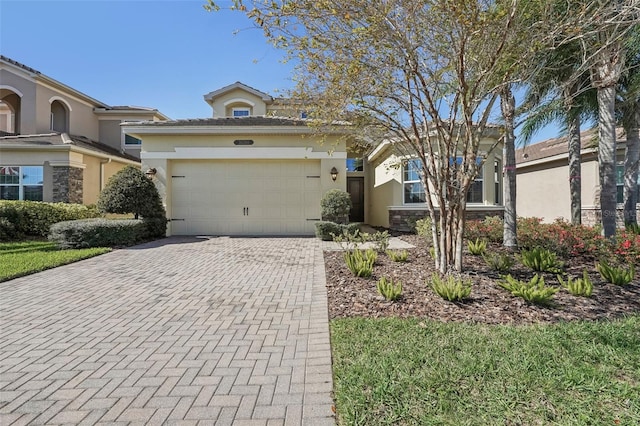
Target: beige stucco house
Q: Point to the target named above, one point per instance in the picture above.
(56, 143)
(257, 168)
(543, 179)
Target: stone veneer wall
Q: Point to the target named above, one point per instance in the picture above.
(67, 184)
(593, 216)
(404, 220)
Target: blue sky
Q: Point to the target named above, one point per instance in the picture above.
(163, 54)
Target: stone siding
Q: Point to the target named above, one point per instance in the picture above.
(67, 185)
(593, 216)
(405, 220)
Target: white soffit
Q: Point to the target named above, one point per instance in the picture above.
(210, 153)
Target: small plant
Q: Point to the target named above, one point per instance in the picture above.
(633, 228)
(451, 288)
(541, 260)
(578, 286)
(381, 240)
(477, 247)
(397, 255)
(499, 262)
(335, 206)
(360, 262)
(389, 290)
(533, 291)
(616, 274)
(432, 252)
(423, 227)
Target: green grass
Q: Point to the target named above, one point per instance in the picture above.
(408, 372)
(27, 257)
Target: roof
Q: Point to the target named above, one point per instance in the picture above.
(227, 122)
(237, 85)
(560, 146)
(62, 139)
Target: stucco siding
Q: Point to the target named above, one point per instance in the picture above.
(82, 121)
(111, 133)
(27, 125)
(221, 110)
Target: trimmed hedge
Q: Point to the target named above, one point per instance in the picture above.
(335, 206)
(324, 229)
(34, 218)
(106, 232)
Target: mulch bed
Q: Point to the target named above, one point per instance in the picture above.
(351, 296)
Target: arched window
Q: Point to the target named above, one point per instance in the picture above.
(59, 117)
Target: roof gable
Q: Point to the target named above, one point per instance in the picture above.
(211, 96)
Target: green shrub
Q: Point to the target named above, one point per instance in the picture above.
(423, 227)
(360, 262)
(99, 233)
(499, 262)
(335, 206)
(451, 288)
(632, 228)
(130, 191)
(533, 291)
(388, 289)
(578, 286)
(477, 248)
(331, 231)
(541, 260)
(34, 218)
(380, 240)
(8, 230)
(618, 275)
(398, 255)
(490, 229)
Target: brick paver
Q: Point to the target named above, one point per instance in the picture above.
(183, 330)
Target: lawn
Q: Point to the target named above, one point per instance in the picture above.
(27, 257)
(422, 372)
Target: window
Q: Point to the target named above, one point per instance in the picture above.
(241, 112)
(59, 117)
(414, 190)
(412, 185)
(21, 183)
(355, 164)
(497, 177)
(620, 184)
(131, 141)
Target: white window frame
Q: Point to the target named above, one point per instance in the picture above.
(620, 166)
(241, 109)
(21, 184)
(479, 178)
(130, 145)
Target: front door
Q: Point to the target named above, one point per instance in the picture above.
(355, 188)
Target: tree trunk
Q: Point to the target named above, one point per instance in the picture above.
(508, 105)
(575, 176)
(607, 158)
(631, 166)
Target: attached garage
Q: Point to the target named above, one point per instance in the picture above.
(245, 197)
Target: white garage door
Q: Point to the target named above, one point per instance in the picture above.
(240, 197)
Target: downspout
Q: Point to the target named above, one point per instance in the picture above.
(102, 163)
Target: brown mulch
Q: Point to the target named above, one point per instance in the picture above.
(351, 296)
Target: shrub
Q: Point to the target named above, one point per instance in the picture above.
(130, 191)
(618, 275)
(478, 247)
(541, 260)
(578, 286)
(7, 230)
(335, 206)
(423, 227)
(331, 231)
(99, 233)
(380, 240)
(560, 237)
(34, 218)
(489, 229)
(397, 255)
(533, 291)
(627, 247)
(360, 262)
(388, 289)
(451, 288)
(499, 262)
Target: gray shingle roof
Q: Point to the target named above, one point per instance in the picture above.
(228, 121)
(58, 139)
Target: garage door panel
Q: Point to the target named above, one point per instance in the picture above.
(280, 195)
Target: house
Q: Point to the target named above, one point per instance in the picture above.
(256, 167)
(542, 179)
(56, 143)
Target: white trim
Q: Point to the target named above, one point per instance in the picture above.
(470, 207)
(219, 130)
(13, 89)
(61, 99)
(239, 101)
(244, 153)
(70, 163)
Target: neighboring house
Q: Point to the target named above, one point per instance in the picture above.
(543, 179)
(256, 168)
(56, 143)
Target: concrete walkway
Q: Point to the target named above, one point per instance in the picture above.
(180, 331)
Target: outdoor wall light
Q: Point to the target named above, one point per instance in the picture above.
(334, 173)
(150, 173)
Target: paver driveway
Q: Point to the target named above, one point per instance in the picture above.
(184, 330)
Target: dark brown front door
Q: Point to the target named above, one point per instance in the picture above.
(355, 188)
